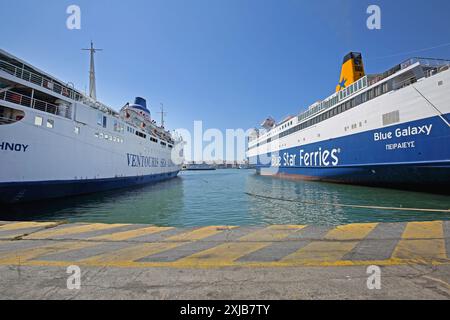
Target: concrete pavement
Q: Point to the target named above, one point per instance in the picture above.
(221, 262)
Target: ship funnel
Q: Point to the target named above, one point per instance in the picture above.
(141, 104)
(352, 70)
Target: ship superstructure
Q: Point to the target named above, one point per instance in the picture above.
(390, 129)
(56, 141)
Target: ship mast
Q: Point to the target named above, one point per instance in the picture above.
(162, 114)
(92, 87)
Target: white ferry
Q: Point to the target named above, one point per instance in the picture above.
(56, 141)
(390, 129)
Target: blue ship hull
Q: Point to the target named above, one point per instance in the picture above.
(16, 192)
(413, 155)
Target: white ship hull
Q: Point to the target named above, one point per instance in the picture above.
(46, 155)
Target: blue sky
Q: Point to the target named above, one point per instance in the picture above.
(229, 63)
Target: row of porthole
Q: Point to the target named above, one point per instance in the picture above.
(109, 137)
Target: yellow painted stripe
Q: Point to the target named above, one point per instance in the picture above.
(222, 255)
(129, 254)
(198, 234)
(356, 231)
(422, 241)
(321, 251)
(46, 234)
(20, 256)
(225, 254)
(271, 233)
(340, 241)
(26, 225)
(125, 235)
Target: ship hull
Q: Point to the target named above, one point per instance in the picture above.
(17, 192)
(419, 161)
(433, 178)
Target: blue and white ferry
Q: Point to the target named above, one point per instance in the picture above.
(56, 141)
(390, 129)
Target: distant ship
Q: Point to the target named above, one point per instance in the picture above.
(390, 129)
(199, 167)
(56, 141)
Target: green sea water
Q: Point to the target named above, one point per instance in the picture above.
(236, 197)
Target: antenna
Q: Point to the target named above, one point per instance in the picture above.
(162, 114)
(92, 88)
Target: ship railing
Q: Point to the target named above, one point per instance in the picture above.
(51, 85)
(426, 62)
(407, 82)
(33, 103)
(39, 80)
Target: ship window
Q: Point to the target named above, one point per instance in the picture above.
(104, 122)
(364, 97)
(50, 123)
(140, 134)
(38, 121)
(100, 119)
(377, 91)
(77, 130)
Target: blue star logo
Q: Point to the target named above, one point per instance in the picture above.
(342, 83)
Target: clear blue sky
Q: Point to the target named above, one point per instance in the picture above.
(229, 63)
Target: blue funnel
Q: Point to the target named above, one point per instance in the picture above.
(140, 103)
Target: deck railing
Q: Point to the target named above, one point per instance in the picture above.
(39, 80)
(51, 85)
(26, 101)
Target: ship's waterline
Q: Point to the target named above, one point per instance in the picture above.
(238, 197)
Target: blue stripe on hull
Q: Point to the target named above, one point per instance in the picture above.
(372, 158)
(15, 192)
(430, 178)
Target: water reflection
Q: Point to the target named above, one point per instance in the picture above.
(161, 202)
(312, 202)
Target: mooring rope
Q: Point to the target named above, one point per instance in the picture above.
(348, 205)
(410, 52)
